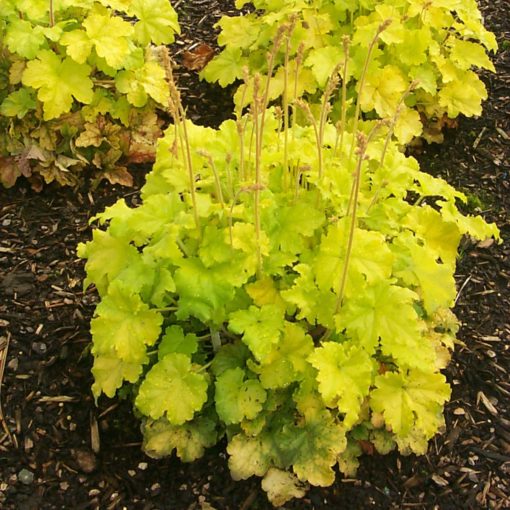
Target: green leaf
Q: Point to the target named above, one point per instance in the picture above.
(238, 398)
(123, 326)
(161, 438)
(18, 103)
(261, 328)
(110, 372)
(174, 340)
(230, 356)
(344, 375)
(157, 21)
(172, 388)
(58, 81)
(409, 401)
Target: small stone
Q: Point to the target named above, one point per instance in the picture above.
(13, 364)
(131, 472)
(155, 489)
(26, 477)
(6, 222)
(143, 466)
(64, 486)
(39, 347)
(86, 460)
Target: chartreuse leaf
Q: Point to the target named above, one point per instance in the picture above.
(261, 328)
(282, 486)
(293, 224)
(58, 82)
(286, 363)
(203, 292)
(189, 440)
(411, 400)
(463, 95)
(314, 447)
(124, 326)
(172, 388)
(106, 257)
(344, 374)
(109, 35)
(237, 397)
(157, 21)
(110, 372)
(386, 312)
(348, 462)
(78, 45)
(249, 456)
(174, 340)
(313, 304)
(322, 61)
(370, 256)
(441, 236)
(238, 31)
(467, 54)
(419, 266)
(383, 91)
(226, 67)
(23, 39)
(474, 226)
(142, 83)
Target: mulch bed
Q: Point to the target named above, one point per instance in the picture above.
(59, 451)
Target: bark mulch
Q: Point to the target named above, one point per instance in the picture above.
(59, 451)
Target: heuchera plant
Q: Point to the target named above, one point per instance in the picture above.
(79, 87)
(432, 44)
(286, 285)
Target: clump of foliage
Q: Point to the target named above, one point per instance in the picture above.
(287, 284)
(428, 46)
(79, 87)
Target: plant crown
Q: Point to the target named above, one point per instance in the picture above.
(286, 284)
(429, 47)
(79, 86)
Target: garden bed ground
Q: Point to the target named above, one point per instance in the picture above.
(52, 425)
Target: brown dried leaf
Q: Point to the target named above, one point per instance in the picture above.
(9, 171)
(118, 175)
(197, 58)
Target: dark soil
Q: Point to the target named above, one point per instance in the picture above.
(59, 451)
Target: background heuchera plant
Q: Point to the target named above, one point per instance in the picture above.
(431, 43)
(79, 87)
(286, 285)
